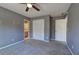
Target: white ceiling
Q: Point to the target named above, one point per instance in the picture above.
(53, 9)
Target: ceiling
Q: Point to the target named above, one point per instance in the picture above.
(52, 9)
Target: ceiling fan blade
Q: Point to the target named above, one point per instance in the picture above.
(27, 8)
(35, 8)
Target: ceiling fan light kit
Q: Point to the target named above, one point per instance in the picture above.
(29, 5)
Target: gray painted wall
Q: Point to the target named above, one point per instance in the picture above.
(11, 27)
(52, 28)
(47, 28)
(73, 28)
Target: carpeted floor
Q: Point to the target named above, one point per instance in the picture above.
(35, 47)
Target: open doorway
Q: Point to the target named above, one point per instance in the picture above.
(26, 29)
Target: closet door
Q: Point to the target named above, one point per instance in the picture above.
(60, 34)
(38, 29)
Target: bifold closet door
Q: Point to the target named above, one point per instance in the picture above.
(38, 29)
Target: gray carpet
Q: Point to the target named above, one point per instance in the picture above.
(35, 47)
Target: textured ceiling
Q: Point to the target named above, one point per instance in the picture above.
(53, 9)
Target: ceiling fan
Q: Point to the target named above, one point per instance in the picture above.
(31, 5)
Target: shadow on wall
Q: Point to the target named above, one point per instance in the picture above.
(52, 28)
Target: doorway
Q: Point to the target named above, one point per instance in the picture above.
(61, 28)
(26, 29)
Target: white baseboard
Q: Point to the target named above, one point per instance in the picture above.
(63, 42)
(67, 46)
(70, 49)
(11, 44)
(23, 40)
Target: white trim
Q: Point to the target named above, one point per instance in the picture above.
(11, 44)
(67, 46)
(70, 50)
(64, 42)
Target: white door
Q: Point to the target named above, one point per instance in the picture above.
(60, 29)
(38, 29)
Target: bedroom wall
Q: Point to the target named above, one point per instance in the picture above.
(52, 28)
(11, 27)
(73, 28)
(47, 28)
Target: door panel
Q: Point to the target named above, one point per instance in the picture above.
(60, 33)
